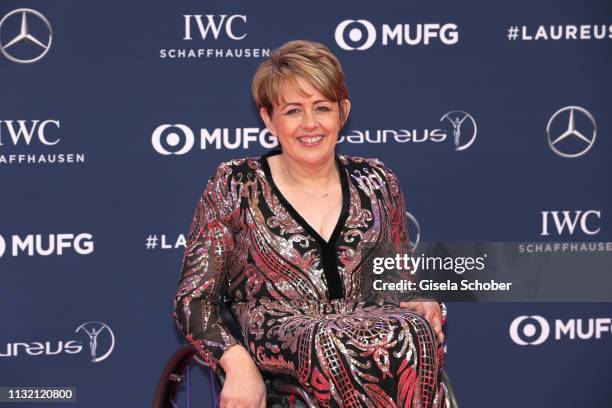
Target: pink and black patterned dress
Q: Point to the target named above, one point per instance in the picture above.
(297, 297)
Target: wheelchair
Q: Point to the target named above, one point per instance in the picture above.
(281, 391)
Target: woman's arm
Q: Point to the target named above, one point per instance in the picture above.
(196, 303)
(209, 244)
(429, 308)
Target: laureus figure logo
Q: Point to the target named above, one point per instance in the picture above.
(93, 330)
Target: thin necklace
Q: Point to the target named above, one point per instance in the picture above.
(322, 195)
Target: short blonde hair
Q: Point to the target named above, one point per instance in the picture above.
(313, 62)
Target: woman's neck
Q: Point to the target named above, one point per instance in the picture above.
(315, 175)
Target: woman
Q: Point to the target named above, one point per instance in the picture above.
(283, 234)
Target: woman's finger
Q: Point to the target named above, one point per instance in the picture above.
(430, 316)
(437, 328)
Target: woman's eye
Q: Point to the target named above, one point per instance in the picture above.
(318, 109)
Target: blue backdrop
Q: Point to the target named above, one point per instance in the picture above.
(114, 115)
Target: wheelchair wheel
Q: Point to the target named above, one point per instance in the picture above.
(449, 394)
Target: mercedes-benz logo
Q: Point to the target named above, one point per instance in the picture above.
(584, 138)
(42, 45)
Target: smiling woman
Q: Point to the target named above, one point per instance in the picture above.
(304, 118)
(303, 100)
(287, 235)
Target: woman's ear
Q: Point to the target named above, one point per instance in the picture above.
(263, 112)
(347, 109)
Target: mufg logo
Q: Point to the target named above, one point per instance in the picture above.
(535, 330)
(46, 245)
(98, 344)
(179, 139)
(360, 35)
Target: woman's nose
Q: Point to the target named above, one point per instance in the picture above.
(309, 120)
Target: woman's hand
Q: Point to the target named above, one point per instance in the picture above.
(430, 310)
(243, 386)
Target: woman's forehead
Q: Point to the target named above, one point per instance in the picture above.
(288, 92)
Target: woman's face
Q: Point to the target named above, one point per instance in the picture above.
(306, 126)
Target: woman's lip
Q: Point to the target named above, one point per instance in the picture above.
(311, 137)
(301, 139)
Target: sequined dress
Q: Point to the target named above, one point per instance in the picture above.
(297, 297)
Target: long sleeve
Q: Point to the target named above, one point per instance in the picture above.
(399, 225)
(396, 243)
(399, 232)
(209, 245)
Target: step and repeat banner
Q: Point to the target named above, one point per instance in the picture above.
(496, 117)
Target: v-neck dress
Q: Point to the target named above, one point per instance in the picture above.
(297, 297)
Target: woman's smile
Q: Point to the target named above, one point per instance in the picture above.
(311, 141)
